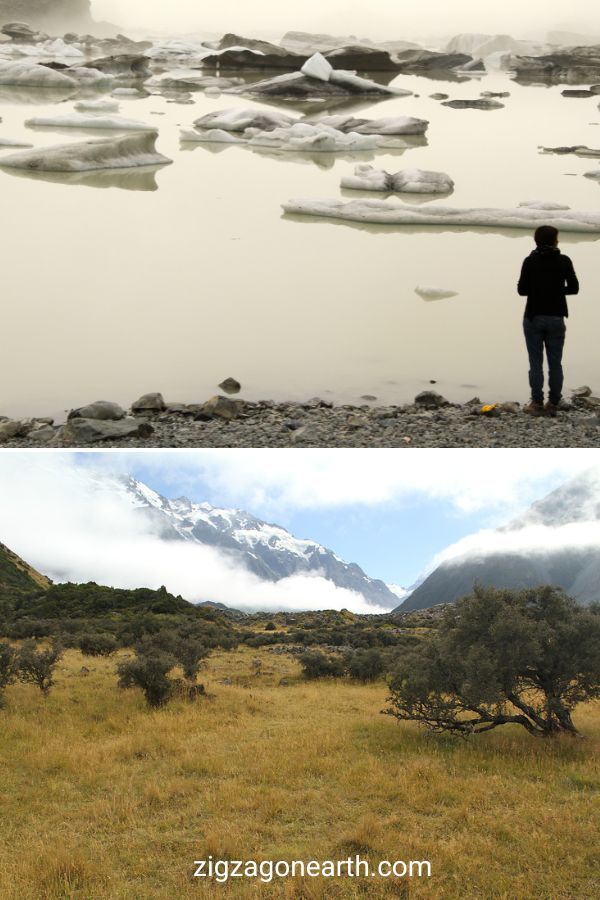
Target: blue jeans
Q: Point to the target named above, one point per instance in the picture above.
(545, 332)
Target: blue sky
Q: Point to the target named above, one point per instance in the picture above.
(389, 511)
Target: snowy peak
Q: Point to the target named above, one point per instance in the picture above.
(266, 549)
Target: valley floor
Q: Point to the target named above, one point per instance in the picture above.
(103, 798)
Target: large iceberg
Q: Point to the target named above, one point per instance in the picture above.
(317, 78)
(390, 212)
(411, 181)
(113, 153)
(76, 120)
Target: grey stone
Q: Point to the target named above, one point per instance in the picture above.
(219, 408)
(42, 435)
(100, 409)
(149, 403)
(430, 400)
(86, 431)
(14, 428)
(583, 391)
(230, 386)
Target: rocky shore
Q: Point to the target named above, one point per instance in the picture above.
(430, 421)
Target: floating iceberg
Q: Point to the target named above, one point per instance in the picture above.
(6, 142)
(30, 74)
(431, 293)
(241, 119)
(398, 125)
(110, 123)
(90, 77)
(389, 212)
(412, 181)
(212, 136)
(315, 138)
(113, 153)
(98, 106)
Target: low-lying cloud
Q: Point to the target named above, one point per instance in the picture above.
(528, 541)
(65, 522)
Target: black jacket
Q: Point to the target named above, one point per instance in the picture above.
(546, 278)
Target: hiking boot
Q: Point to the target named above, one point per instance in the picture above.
(534, 408)
(551, 409)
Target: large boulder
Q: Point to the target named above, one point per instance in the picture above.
(101, 409)
(88, 431)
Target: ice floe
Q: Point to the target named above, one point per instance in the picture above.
(393, 125)
(321, 138)
(113, 153)
(97, 106)
(240, 119)
(431, 293)
(211, 136)
(76, 120)
(411, 181)
(30, 74)
(390, 212)
(7, 142)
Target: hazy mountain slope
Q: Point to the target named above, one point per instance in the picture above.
(574, 568)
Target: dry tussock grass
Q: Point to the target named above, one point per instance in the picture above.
(102, 798)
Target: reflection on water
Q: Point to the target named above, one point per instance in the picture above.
(142, 178)
(114, 293)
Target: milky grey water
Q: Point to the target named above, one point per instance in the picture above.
(114, 285)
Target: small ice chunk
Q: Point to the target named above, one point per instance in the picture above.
(412, 181)
(98, 106)
(366, 178)
(74, 120)
(432, 293)
(317, 67)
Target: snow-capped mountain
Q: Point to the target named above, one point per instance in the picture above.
(267, 550)
(556, 541)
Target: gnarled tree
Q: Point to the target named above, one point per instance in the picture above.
(500, 657)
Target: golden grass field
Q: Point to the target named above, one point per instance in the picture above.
(103, 798)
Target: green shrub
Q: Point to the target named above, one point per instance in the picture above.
(316, 664)
(37, 666)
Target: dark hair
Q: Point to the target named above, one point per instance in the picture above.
(546, 235)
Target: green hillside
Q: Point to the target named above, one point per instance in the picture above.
(18, 578)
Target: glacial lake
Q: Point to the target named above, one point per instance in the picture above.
(171, 281)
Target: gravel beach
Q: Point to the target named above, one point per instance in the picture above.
(430, 421)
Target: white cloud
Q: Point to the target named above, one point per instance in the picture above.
(525, 541)
(61, 521)
(273, 480)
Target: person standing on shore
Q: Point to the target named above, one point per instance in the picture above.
(547, 276)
